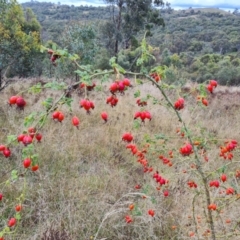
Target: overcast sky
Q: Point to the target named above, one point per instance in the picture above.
(174, 3)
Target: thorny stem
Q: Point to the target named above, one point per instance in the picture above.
(194, 219)
(197, 159)
(199, 169)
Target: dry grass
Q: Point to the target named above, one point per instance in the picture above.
(87, 177)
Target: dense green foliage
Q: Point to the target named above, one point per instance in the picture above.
(20, 39)
(195, 44)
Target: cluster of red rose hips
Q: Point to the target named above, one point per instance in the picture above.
(112, 100)
(212, 206)
(192, 184)
(141, 158)
(5, 151)
(141, 103)
(58, 115)
(28, 138)
(18, 100)
(120, 86)
(143, 115)
(214, 183)
(86, 104)
(89, 87)
(186, 150)
(155, 76)
(165, 160)
(226, 151)
(117, 87)
(53, 56)
(127, 137)
(179, 104)
(212, 85)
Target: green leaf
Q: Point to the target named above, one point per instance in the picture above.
(55, 85)
(136, 211)
(139, 62)
(14, 175)
(139, 81)
(35, 89)
(11, 138)
(136, 123)
(98, 88)
(146, 189)
(34, 159)
(112, 61)
(160, 136)
(153, 200)
(18, 216)
(28, 151)
(137, 94)
(222, 169)
(42, 49)
(48, 103)
(29, 119)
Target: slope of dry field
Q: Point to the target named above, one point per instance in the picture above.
(87, 177)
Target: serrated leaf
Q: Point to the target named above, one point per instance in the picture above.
(42, 49)
(160, 136)
(35, 89)
(29, 119)
(55, 85)
(222, 169)
(136, 211)
(153, 200)
(48, 103)
(11, 138)
(18, 216)
(136, 123)
(137, 94)
(14, 175)
(139, 81)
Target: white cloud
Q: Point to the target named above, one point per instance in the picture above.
(206, 2)
(174, 3)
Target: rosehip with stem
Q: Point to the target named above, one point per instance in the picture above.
(20, 137)
(127, 137)
(75, 121)
(38, 137)
(55, 115)
(2, 148)
(128, 219)
(27, 140)
(104, 116)
(20, 102)
(166, 193)
(1, 196)
(12, 100)
(12, 222)
(204, 101)
(224, 177)
(7, 152)
(18, 208)
(213, 83)
(60, 117)
(27, 162)
(35, 168)
(151, 212)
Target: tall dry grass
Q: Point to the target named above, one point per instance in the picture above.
(86, 178)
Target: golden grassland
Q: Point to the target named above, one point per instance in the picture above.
(86, 178)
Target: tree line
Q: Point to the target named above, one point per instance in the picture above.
(194, 44)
